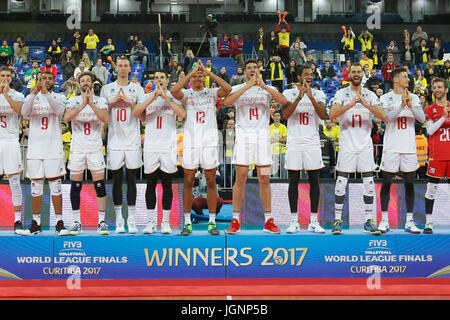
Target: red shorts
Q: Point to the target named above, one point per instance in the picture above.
(439, 168)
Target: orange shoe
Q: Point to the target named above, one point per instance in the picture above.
(235, 227)
(270, 227)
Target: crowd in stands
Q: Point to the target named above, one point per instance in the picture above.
(278, 54)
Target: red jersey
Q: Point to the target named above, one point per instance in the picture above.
(439, 142)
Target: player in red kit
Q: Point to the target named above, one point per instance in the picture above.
(438, 128)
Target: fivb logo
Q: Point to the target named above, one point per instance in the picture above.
(74, 21)
(374, 20)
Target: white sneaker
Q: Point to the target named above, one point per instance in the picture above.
(132, 225)
(293, 227)
(150, 228)
(165, 228)
(411, 227)
(383, 226)
(428, 228)
(120, 226)
(315, 227)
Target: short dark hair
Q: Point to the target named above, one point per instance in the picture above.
(355, 64)
(437, 79)
(397, 72)
(250, 61)
(86, 73)
(300, 68)
(162, 71)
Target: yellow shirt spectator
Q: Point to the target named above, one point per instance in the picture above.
(333, 134)
(367, 61)
(91, 41)
(278, 134)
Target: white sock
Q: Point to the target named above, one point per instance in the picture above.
(187, 218)
(151, 215)
(18, 215)
(166, 216)
(237, 215)
(429, 219)
(118, 211)
(313, 217)
(59, 217)
(368, 211)
(384, 216)
(267, 216)
(212, 217)
(409, 216)
(131, 211)
(294, 217)
(101, 216)
(338, 211)
(37, 218)
(76, 215)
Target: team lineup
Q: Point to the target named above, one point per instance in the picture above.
(123, 104)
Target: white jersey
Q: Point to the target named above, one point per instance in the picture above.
(124, 131)
(45, 137)
(86, 126)
(400, 134)
(303, 124)
(160, 125)
(253, 113)
(9, 119)
(356, 123)
(200, 128)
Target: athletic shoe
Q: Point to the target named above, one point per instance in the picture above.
(187, 230)
(33, 229)
(337, 227)
(234, 227)
(315, 227)
(120, 226)
(102, 228)
(165, 228)
(411, 227)
(293, 227)
(371, 228)
(428, 228)
(150, 228)
(270, 227)
(18, 227)
(212, 229)
(75, 229)
(383, 226)
(132, 225)
(60, 229)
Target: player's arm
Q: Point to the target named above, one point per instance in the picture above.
(224, 89)
(416, 108)
(15, 105)
(277, 96)
(141, 107)
(288, 109)
(433, 126)
(27, 107)
(378, 111)
(319, 106)
(231, 99)
(102, 113)
(176, 90)
(55, 105)
(179, 110)
(338, 109)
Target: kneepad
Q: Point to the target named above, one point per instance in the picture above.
(431, 190)
(55, 187)
(16, 190)
(100, 188)
(341, 184)
(37, 188)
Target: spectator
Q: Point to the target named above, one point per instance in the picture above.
(297, 51)
(16, 44)
(209, 83)
(309, 59)
(406, 35)
(366, 75)
(366, 61)
(131, 42)
(291, 75)
(418, 36)
(30, 76)
(86, 60)
(236, 50)
(139, 53)
(316, 72)
(107, 50)
(422, 152)
(76, 47)
(348, 44)
(24, 130)
(173, 76)
(420, 80)
(162, 53)
(100, 72)
(379, 92)
(407, 53)
(16, 83)
(261, 45)
(54, 52)
(422, 54)
(437, 53)
(68, 66)
(374, 83)
(48, 67)
(272, 44)
(135, 80)
(81, 68)
(276, 68)
(169, 42)
(113, 70)
(21, 54)
(238, 78)
(345, 71)
(189, 59)
(328, 73)
(366, 39)
(278, 137)
(386, 71)
(377, 56)
(393, 50)
(71, 88)
(411, 79)
(262, 69)
(328, 156)
(423, 101)
(229, 140)
(6, 53)
(210, 27)
(332, 131)
(284, 41)
(223, 47)
(431, 71)
(223, 74)
(90, 42)
(446, 70)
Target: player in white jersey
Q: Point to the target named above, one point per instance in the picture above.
(45, 149)
(305, 108)
(160, 147)
(88, 114)
(10, 158)
(399, 145)
(124, 140)
(252, 102)
(200, 142)
(354, 106)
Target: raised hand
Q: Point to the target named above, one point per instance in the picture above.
(406, 99)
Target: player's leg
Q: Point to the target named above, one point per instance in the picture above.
(369, 196)
(16, 195)
(294, 179)
(150, 200)
(410, 225)
(266, 198)
(56, 195)
(385, 195)
(166, 182)
(75, 200)
(189, 176)
(430, 195)
(212, 200)
(98, 178)
(35, 172)
(117, 176)
(314, 196)
(238, 197)
(339, 197)
(131, 199)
